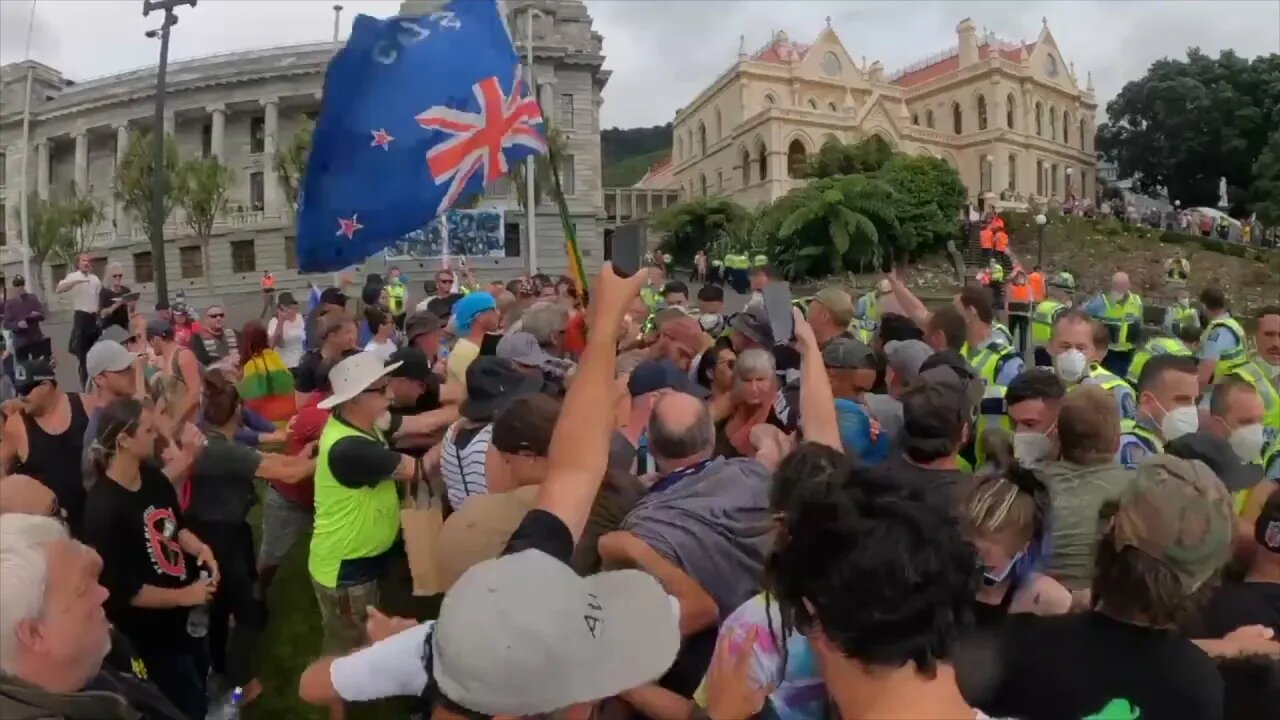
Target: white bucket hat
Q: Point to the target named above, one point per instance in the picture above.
(353, 376)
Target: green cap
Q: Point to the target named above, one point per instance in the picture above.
(1178, 512)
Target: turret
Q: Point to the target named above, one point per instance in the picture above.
(967, 34)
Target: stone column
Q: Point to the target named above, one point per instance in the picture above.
(122, 149)
(42, 169)
(999, 170)
(219, 127)
(169, 122)
(617, 206)
(271, 183)
(82, 162)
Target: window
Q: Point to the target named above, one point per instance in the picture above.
(2, 169)
(957, 118)
(290, 252)
(257, 135)
(719, 181)
(1066, 128)
(1051, 66)
(982, 112)
(984, 174)
(679, 148)
(1008, 112)
(1053, 124)
(1013, 173)
(143, 271)
(915, 119)
(511, 239)
(928, 119)
(702, 138)
(190, 261)
(813, 104)
(568, 179)
(1039, 120)
(257, 192)
(746, 168)
(795, 158)
(566, 111)
(769, 99)
(1082, 147)
(206, 140)
(4, 221)
(763, 161)
(243, 257)
(58, 271)
(719, 125)
(831, 107)
(1040, 178)
(1053, 179)
(830, 64)
(702, 184)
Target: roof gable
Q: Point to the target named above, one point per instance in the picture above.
(949, 61)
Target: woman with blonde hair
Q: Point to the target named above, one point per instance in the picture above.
(753, 401)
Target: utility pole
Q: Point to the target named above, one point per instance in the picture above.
(158, 178)
(337, 22)
(530, 165)
(23, 210)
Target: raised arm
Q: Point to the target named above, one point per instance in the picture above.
(72, 279)
(818, 419)
(911, 305)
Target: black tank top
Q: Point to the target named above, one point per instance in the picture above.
(988, 616)
(55, 460)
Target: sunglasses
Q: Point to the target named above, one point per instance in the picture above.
(215, 316)
(444, 281)
(118, 276)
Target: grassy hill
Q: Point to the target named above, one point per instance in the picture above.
(626, 154)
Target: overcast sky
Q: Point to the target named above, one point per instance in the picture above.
(663, 52)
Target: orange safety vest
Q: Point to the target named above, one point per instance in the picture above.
(984, 238)
(1036, 281)
(269, 282)
(1001, 240)
(1019, 293)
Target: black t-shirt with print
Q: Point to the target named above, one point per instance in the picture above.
(1235, 605)
(119, 316)
(136, 533)
(1069, 667)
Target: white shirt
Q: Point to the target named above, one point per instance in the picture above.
(292, 339)
(382, 349)
(84, 295)
(388, 668)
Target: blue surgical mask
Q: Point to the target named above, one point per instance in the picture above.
(991, 579)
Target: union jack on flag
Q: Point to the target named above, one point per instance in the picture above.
(418, 114)
(479, 138)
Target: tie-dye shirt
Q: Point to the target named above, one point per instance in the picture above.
(799, 693)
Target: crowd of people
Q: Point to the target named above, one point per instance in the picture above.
(639, 504)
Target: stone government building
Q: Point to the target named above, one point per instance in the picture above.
(1008, 116)
(240, 106)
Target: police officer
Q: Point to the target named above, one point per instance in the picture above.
(1222, 347)
(1166, 408)
(1061, 286)
(1121, 311)
(866, 313)
(1180, 313)
(1162, 345)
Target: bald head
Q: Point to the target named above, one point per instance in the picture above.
(1120, 283)
(27, 495)
(681, 431)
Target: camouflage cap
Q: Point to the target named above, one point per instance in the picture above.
(1178, 512)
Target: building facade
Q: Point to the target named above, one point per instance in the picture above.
(240, 107)
(1010, 117)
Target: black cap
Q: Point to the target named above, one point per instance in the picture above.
(414, 364)
(492, 383)
(161, 328)
(654, 375)
(844, 353)
(286, 298)
(333, 296)
(19, 281)
(31, 372)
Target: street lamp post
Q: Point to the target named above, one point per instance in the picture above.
(1040, 223)
(530, 202)
(158, 178)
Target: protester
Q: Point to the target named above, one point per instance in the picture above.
(755, 392)
(177, 384)
(474, 316)
(383, 328)
(215, 344)
(1034, 400)
(714, 371)
(85, 289)
(266, 383)
(335, 335)
(116, 300)
(830, 314)
(287, 330)
(443, 297)
(23, 313)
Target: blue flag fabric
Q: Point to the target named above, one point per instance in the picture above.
(419, 114)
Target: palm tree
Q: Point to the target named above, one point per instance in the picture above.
(700, 224)
(558, 145)
(846, 221)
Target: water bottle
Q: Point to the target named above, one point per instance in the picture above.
(229, 708)
(198, 616)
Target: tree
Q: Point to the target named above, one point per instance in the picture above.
(1266, 183)
(200, 186)
(1187, 123)
(836, 223)
(928, 196)
(133, 181)
(79, 213)
(49, 232)
(699, 224)
(835, 158)
(557, 144)
(291, 161)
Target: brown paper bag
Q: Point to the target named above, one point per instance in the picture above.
(421, 527)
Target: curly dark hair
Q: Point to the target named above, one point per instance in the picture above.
(881, 568)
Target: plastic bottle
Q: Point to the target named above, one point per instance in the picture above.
(229, 708)
(198, 616)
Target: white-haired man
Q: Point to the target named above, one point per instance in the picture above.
(54, 633)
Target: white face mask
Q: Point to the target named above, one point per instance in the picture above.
(1031, 447)
(1071, 365)
(1179, 421)
(1247, 441)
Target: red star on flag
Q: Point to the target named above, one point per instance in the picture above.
(381, 138)
(348, 227)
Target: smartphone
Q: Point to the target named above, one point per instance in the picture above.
(777, 306)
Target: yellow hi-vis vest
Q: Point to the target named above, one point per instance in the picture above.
(1236, 356)
(1184, 316)
(1150, 440)
(1121, 320)
(1257, 377)
(1042, 321)
(988, 360)
(1153, 347)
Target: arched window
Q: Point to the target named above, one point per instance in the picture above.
(1039, 120)
(982, 112)
(762, 161)
(795, 158)
(1053, 123)
(813, 104)
(1066, 127)
(1009, 112)
(831, 106)
(1013, 173)
(984, 173)
(719, 181)
(769, 99)
(1082, 147)
(1040, 178)
(746, 167)
(719, 125)
(702, 183)
(928, 119)
(957, 118)
(830, 65)
(915, 119)
(702, 138)
(679, 148)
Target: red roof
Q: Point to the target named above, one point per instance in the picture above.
(948, 64)
(780, 51)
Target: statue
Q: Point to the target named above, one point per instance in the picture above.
(1223, 202)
